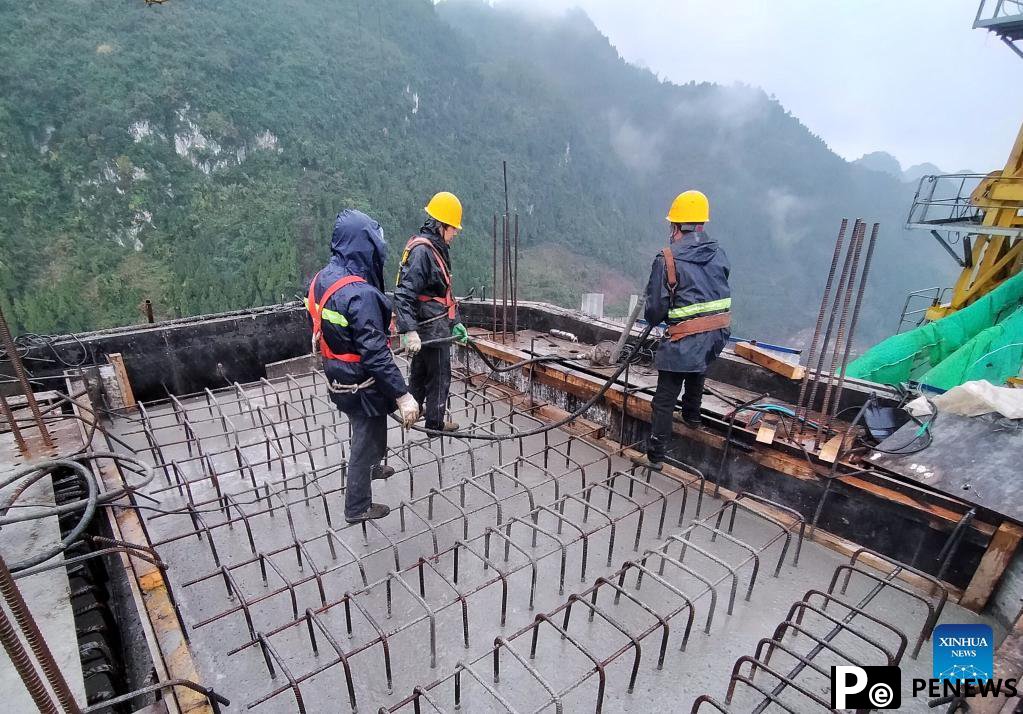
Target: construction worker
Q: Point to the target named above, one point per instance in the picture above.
(425, 308)
(688, 288)
(350, 329)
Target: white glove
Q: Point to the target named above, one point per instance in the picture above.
(408, 409)
(411, 342)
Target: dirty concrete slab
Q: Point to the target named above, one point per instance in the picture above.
(263, 558)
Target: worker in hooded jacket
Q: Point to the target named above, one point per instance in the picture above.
(426, 311)
(351, 319)
(689, 290)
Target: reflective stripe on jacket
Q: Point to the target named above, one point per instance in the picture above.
(702, 269)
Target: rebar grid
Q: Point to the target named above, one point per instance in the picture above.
(853, 635)
(483, 523)
(679, 601)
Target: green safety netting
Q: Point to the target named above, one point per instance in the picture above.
(982, 341)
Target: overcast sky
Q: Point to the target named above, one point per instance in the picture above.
(910, 77)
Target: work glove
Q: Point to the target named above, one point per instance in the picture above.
(460, 334)
(408, 408)
(411, 342)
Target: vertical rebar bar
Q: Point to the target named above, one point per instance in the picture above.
(30, 629)
(504, 169)
(515, 282)
(22, 377)
(148, 307)
(505, 278)
(841, 337)
(15, 429)
(852, 325)
(493, 277)
(23, 664)
(801, 409)
(818, 369)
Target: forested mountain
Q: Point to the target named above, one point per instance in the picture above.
(195, 153)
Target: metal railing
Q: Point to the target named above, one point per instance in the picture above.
(946, 202)
(915, 317)
(992, 15)
(1005, 19)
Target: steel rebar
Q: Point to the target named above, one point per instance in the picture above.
(840, 390)
(8, 415)
(26, 669)
(30, 629)
(515, 281)
(493, 278)
(801, 408)
(841, 338)
(818, 369)
(22, 376)
(236, 457)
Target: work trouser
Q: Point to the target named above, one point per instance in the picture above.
(429, 382)
(669, 384)
(369, 444)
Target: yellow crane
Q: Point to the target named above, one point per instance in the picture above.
(971, 330)
(982, 212)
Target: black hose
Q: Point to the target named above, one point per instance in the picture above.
(492, 365)
(83, 522)
(132, 464)
(29, 475)
(545, 428)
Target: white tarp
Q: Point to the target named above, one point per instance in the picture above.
(973, 399)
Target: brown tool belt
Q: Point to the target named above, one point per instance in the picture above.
(696, 325)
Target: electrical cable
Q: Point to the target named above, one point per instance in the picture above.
(29, 341)
(777, 409)
(924, 430)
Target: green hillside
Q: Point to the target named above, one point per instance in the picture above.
(195, 153)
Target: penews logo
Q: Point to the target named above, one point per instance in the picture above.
(963, 652)
(865, 688)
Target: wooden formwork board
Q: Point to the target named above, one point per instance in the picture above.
(1002, 542)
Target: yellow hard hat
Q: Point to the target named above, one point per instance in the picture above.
(446, 208)
(689, 207)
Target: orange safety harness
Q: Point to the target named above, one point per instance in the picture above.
(695, 325)
(448, 300)
(316, 311)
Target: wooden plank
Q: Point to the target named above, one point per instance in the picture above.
(762, 357)
(768, 426)
(829, 452)
(770, 459)
(127, 395)
(639, 406)
(996, 558)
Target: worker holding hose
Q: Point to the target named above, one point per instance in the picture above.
(350, 316)
(425, 308)
(688, 288)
